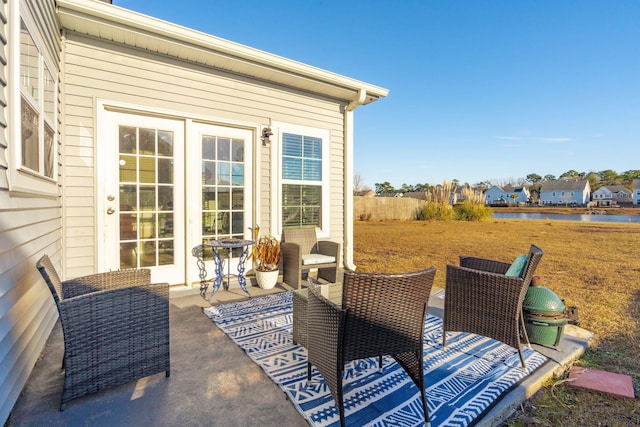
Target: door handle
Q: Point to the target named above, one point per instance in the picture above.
(110, 211)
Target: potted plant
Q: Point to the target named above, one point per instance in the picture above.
(266, 255)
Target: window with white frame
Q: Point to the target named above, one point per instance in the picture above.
(33, 109)
(37, 108)
(304, 181)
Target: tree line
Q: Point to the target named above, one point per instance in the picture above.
(533, 181)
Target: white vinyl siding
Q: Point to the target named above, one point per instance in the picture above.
(4, 165)
(95, 69)
(31, 224)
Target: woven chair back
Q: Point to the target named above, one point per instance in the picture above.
(51, 277)
(305, 237)
(385, 312)
(535, 255)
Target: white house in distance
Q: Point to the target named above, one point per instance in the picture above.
(635, 188)
(565, 192)
(126, 140)
(609, 195)
(507, 194)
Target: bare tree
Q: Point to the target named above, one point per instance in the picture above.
(358, 183)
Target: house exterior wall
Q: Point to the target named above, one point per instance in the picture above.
(635, 188)
(97, 69)
(496, 194)
(602, 193)
(30, 224)
(58, 216)
(564, 193)
(616, 193)
(563, 197)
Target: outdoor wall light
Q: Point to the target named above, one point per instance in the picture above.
(266, 133)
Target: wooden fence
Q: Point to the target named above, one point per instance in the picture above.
(386, 208)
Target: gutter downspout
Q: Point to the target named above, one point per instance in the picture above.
(348, 179)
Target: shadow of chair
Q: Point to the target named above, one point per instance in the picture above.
(301, 250)
(115, 327)
(481, 299)
(381, 314)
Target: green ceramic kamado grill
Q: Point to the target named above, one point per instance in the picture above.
(544, 316)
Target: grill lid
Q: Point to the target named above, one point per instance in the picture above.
(543, 301)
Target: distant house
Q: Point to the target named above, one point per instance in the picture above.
(635, 188)
(365, 193)
(507, 194)
(609, 195)
(420, 195)
(564, 192)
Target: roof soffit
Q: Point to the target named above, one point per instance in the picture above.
(122, 26)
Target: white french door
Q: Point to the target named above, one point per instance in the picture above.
(141, 199)
(219, 188)
(166, 185)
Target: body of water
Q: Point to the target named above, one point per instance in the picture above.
(586, 218)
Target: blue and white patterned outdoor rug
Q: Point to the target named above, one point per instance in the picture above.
(463, 382)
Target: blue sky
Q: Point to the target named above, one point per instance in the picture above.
(479, 90)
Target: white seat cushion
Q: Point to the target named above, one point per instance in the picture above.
(310, 259)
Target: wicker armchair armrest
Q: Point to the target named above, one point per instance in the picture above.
(484, 264)
(327, 247)
(326, 323)
(105, 281)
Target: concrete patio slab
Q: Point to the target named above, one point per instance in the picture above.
(213, 382)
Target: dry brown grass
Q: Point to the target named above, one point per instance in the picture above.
(594, 266)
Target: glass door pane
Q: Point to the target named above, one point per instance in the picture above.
(223, 190)
(223, 186)
(146, 189)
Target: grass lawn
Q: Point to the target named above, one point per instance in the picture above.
(594, 266)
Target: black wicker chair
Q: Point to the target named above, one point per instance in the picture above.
(115, 326)
(380, 314)
(480, 299)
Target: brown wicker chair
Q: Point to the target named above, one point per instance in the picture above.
(115, 326)
(301, 250)
(380, 314)
(480, 299)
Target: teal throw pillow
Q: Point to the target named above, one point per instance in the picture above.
(518, 266)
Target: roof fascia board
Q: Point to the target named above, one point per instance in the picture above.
(238, 58)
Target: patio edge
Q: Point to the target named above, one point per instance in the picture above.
(575, 342)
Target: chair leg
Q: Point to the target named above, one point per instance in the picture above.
(340, 402)
(308, 374)
(524, 366)
(524, 329)
(380, 364)
(424, 408)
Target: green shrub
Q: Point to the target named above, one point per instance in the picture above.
(434, 211)
(438, 205)
(468, 211)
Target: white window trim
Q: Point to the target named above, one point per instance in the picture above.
(280, 128)
(22, 179)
